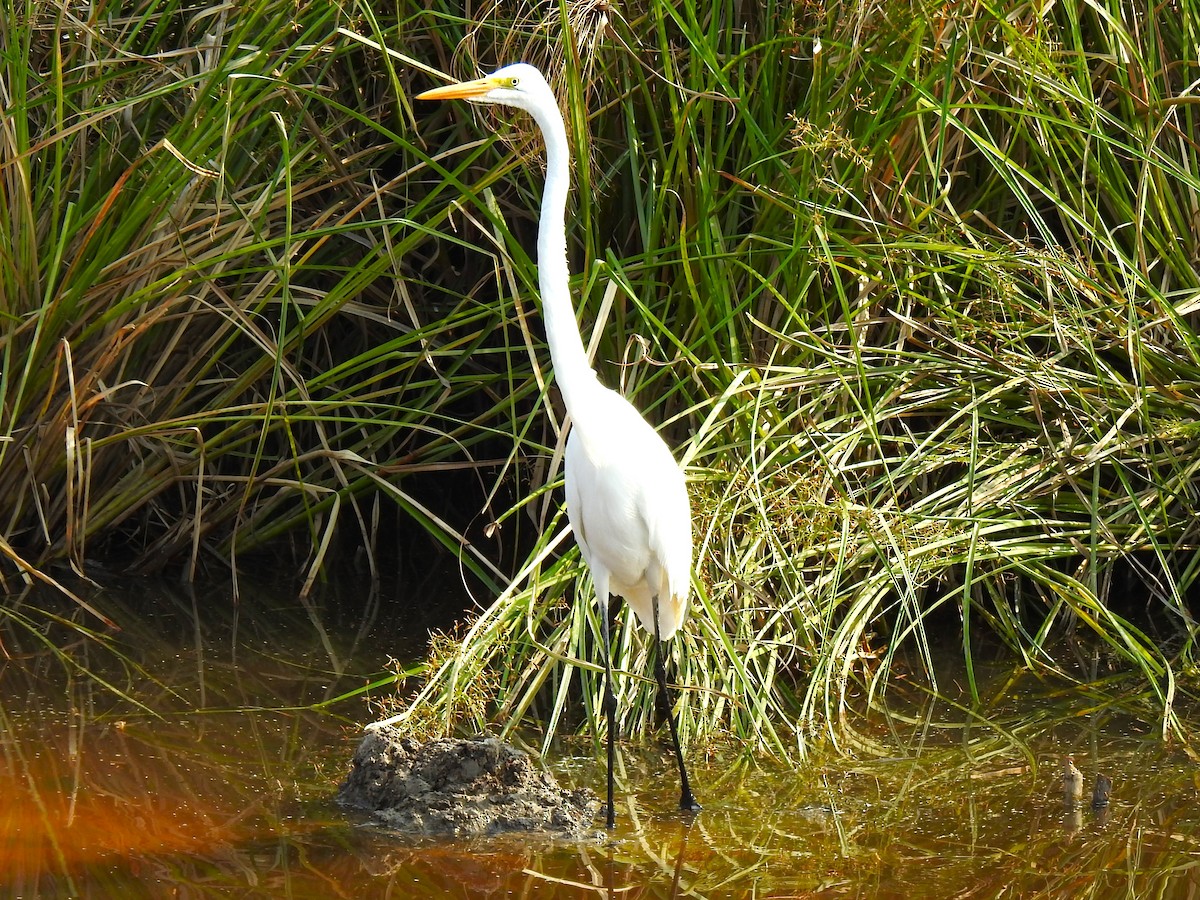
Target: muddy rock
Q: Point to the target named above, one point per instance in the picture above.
(458, 787)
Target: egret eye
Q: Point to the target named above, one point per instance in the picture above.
(514, 81)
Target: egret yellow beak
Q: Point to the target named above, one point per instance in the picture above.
(464, 90)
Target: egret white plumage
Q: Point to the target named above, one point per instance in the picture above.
(626, 497)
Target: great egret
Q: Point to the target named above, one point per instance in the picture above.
(626, 497)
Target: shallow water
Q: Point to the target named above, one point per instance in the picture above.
(207, 765)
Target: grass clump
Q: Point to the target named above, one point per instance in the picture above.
(208, 343)
(911, 293)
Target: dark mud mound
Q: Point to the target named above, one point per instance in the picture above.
(460, 787)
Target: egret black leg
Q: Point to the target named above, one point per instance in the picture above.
(686, 800)
(610, 709)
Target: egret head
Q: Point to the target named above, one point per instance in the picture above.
(519, 85)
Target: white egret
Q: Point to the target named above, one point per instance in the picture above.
(626, 497)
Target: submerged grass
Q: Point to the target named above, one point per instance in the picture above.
(911, 287)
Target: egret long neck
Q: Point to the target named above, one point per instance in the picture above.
(571, 369)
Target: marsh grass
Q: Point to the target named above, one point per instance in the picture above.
(914, 295)
(209, 337)
(910, 288)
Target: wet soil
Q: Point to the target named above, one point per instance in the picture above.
(460, 788)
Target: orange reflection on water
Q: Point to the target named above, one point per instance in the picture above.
(126, 794)
(46, 827)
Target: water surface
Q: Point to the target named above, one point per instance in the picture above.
(196, 752)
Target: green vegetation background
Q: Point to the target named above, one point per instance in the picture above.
(910, 286)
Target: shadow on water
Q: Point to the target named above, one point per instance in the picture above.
(196, 755)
